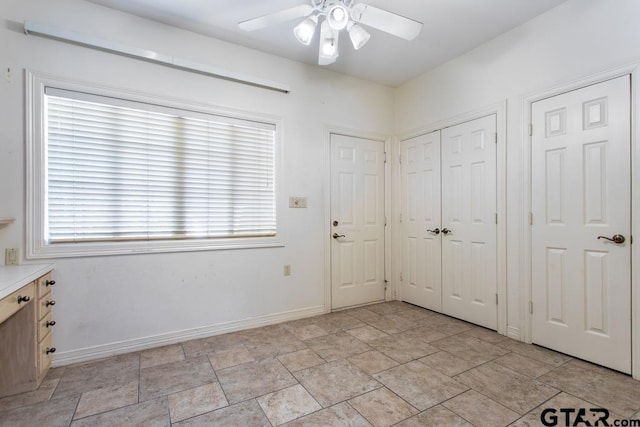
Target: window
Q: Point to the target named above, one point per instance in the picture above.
(121, 175)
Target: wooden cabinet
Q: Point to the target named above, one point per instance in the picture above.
(26, 323)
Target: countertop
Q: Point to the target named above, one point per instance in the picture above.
(13, 277)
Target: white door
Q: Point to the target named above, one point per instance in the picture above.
(357, 221)
(421, 244)
(581, 285)
(469, 206)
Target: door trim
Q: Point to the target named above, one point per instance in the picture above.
(388, 232)
(526, 289)
(500, 110)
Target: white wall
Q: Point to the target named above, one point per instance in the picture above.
(576, 39)
(103, 301)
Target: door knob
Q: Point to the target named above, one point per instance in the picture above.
(436, 231)
(446, 231)
(337, 236)
(618, 238)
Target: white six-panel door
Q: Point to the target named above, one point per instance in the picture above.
(581, 285)
(449, 187)
(421, 244)
(357, 216)
(469, 252)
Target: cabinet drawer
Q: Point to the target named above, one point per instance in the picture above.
(44, 284)
(45, 325)
(44, 305)
(45, 358)
(10, 304)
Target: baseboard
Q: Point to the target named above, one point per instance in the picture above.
(101, 351)
(513, 332)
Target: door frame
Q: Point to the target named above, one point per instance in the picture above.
(388, 232)
(525, 229)
(500, 110)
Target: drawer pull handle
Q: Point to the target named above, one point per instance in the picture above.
(50, 350)
(50, 323)
(48, 303)
(50, 283)
(22, 299)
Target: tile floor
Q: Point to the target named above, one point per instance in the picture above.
(381, 365)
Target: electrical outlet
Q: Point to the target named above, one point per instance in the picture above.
(297, 202)
(11, 256)
(287, 270)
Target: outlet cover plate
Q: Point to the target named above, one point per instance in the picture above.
(297, 202)
(11, 256)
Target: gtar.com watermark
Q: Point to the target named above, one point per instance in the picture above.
(583, 417)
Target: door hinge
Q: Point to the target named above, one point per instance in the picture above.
(530, 307)
(495, 137)
(385, 221)
(496, 299)
(385, 157)
(496, 217)
(400, 217)
(631, 240)
(530, 129)
(400, 159)
(401, 277)
(386, 283)
(530, 218)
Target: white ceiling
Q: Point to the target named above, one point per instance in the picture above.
(451, 28)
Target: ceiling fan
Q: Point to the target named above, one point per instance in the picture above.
(338, 15)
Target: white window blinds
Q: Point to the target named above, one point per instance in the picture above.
(118, 170)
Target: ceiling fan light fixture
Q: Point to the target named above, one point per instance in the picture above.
(358, 35)
(338, 17)
(305, 30)
(328, 50)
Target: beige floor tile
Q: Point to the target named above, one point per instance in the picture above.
(448, 325)
(471, 349)
(420, 385)
(196, 401)
(448, 364)
(341, 414)
(271, 341)
(492, 337)
(424, 333)
(393, 324)
(540, 354)
(386, 308)
(161, 356)
(438, 416)
(617, 392)
(480, 411)
(55, 373)
(336, 381)
(56, 412)
(243, 414)
(305, 332)
(80, 378)
(382, 407)
(167, 379)
(363, 314)
(524, 365)
(509, 388)
(231, 357)
(254, 379)
(373, 362)
(288, 404)
(107, 399)
(337, 346)
(205, 346)
(403, 349)
(150, 413)
(42, 394)
(301, 359)
(337, 322)
(367, 333)
(417, 315)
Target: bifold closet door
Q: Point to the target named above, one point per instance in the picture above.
(581, 206)
(469, 252)
(421, 246)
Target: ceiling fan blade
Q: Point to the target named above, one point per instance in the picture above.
(388, 22)
(276, 18)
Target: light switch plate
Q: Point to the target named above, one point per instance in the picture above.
(297, 202)
(11, 256)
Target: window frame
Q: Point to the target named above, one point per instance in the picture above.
(36, 246)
